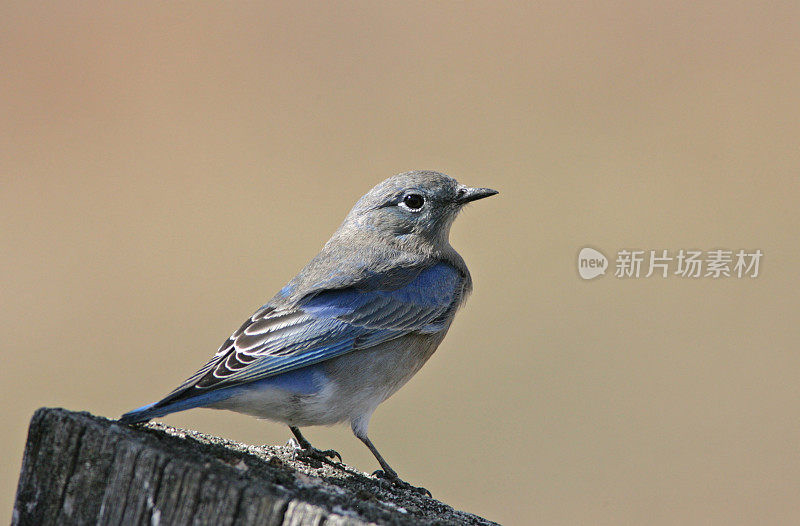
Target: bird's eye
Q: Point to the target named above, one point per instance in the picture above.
(414, 201)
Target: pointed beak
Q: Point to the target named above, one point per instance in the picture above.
(467, 194)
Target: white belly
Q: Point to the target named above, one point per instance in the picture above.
(351, 387)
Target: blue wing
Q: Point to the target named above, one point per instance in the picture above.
(277, 340)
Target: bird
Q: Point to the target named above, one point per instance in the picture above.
(352, 327)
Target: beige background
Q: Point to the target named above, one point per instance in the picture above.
(165, 169)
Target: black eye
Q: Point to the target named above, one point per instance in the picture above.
(414, 201)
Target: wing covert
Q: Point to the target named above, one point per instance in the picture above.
(327, 324)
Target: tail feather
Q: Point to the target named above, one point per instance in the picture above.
(143, 414)
(303, 381)
(158, 409)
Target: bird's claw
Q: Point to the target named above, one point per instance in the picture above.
(322, 455)
(400, 483)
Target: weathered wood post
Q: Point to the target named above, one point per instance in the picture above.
(82, 469)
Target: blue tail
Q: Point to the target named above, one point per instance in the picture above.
(301, 381)
(154, 410)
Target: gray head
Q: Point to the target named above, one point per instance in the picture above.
(412, 208)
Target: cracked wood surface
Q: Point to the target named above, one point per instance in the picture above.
(83, 469)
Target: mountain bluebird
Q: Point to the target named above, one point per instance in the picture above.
(353, 326)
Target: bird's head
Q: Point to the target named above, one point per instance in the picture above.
(412, 208)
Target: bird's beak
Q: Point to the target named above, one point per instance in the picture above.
(467, 194)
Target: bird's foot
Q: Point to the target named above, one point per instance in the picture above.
(312, 453)
(392, 478)
(319, 454)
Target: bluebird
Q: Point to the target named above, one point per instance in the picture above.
(358, 321)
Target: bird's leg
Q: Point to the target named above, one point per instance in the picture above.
(388, 473)
(308, 451)
(305, 444)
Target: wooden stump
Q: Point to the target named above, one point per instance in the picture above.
(83, 469)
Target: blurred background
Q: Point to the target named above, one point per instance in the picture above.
(165, 169)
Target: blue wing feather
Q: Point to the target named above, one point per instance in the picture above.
(327, 324)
